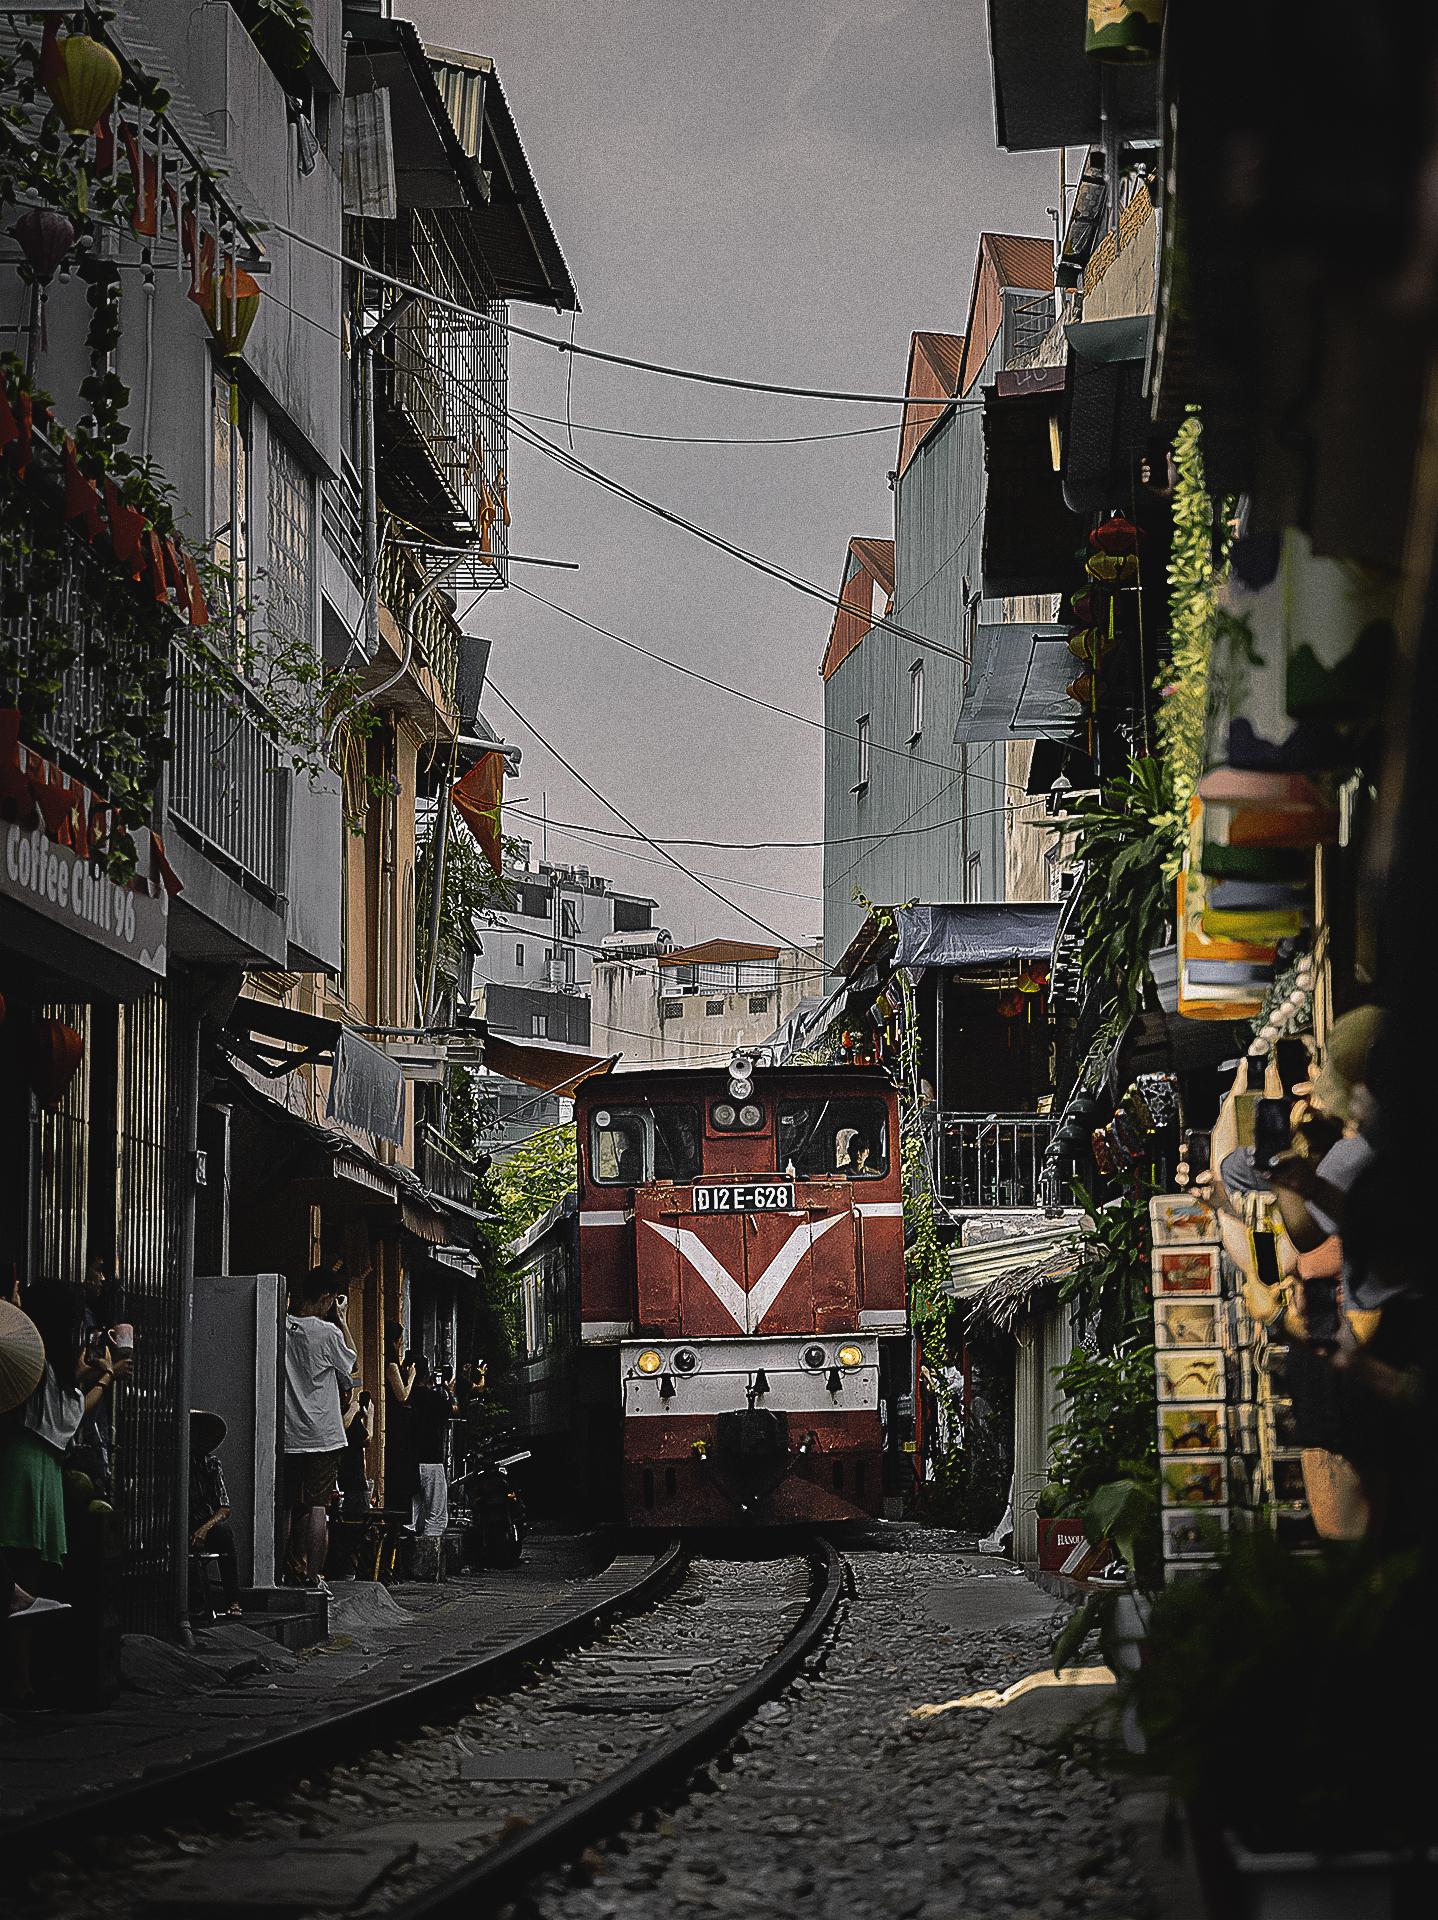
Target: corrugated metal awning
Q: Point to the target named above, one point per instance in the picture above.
(1015, 686)
(973, 1269)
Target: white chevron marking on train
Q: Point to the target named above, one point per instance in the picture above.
(746, 1310)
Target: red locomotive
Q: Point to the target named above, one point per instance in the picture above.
(738, 1349)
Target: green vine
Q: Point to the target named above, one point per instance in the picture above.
(1110, 1288)
(123, 739)
(1192, 603)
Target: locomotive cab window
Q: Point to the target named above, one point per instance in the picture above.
(631, 1145)
(849, 1138)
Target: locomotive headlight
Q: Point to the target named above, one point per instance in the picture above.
(649, 1361)
(814, 1359)
(851, 1356)
(750, 1116)
(740, 1086)
(724, 1115)
(684, 1360)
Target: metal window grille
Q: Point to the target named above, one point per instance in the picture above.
(758, 1003)
(147, 1439)
(61, 1221)
(288, 601)
(713, 1006)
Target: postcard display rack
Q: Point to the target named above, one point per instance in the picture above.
(1210, 1434)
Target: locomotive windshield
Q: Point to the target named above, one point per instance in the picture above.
(845, 1137)
(631, 1145)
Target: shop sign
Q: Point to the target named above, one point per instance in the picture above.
(47, 823)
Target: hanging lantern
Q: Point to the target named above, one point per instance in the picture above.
(45, 238)
(1090, 644)
(53, 1055)
(1084, 689)
(1033, 976)
(230, 305)
(1124, 29)
(1115, 536)
(1088, 606)
(80, 75)
(1011, 1005)
(1113, 569)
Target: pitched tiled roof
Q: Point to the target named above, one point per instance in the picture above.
(1004, 260)
(935, 360)
(717, 953)
(867, 564)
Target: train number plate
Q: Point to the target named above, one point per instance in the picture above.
(746, 1196)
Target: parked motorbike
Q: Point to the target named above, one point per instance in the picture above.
(498, 1522)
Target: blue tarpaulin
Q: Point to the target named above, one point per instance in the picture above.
(975, 936)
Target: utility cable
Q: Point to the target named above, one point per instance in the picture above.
(755, 561)
(723, 686)
(691, 374)
(767, 846)
(784, 939)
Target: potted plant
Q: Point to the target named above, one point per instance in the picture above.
(1283, 1698)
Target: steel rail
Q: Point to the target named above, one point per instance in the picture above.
(649, 1778)
(163, 1792)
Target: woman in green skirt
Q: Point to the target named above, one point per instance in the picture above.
(35, 1437)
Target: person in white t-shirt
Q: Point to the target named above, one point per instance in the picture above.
(320, 1363)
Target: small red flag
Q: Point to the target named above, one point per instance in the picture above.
(476, 800)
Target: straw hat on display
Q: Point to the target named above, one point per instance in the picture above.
(22, 1357)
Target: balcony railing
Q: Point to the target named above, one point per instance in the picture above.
(436, 637)
(996, 1160)
(228, 781)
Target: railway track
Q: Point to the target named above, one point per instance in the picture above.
(457, 1817)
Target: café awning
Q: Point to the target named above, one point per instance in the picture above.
(367, 1088)
(1048, 92)
(979, 935)
(1106, 414)
(535, 1063)
(1030, 538)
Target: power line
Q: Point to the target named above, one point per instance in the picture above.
(693, 375)
(767, 846)
(784, 939)
(702, 439)
(624, 853)
(723, 686)
(742, 554)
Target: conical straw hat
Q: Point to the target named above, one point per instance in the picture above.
(22, 1356)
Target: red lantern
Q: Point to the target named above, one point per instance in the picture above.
(1011, 1005)
(45, 238)
(1116, 536)
(53, 1055)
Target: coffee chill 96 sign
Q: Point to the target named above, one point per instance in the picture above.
(47, 869)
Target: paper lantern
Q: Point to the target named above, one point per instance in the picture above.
(1113, 569)
(1116, 536)
(1090, 644)
(1011, 1005)
(80, 75)
(230, 307)
(53, 1055)
(1084, 689)
(1124, 29)
(45, 238)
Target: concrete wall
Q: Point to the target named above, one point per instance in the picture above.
(625, 1005)
(910, 810)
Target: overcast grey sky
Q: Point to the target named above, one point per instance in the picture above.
(777, 192)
